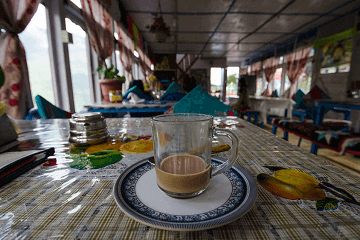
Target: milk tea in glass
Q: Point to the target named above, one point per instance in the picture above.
(182, 152)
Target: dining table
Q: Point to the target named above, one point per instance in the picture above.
(146, 108)
(295, 194)
(349, 104)
(271, 105)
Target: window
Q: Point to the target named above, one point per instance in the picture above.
(232, 81)
(78, 65)
(136, 70)
(215, 81)
(77, 3)
(277, 80)
(35, 41)
(119, 66)
(260, 85)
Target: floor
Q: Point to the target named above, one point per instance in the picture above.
(347, 161)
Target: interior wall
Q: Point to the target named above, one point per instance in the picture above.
(336, 85)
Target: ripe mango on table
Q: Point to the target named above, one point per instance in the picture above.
(292, 184)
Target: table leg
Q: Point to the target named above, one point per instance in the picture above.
(319, 115)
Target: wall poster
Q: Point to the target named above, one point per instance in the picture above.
(335, 54)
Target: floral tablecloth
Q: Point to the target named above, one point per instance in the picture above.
(57, 201)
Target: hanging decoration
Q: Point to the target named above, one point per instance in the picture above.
(159, 28)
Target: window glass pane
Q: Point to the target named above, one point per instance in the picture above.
(286, 83)
(215, 81)
(232, 81)
(118, 63)
(259, 86)
(305, 78)
(76, 2)
(277, 80)
(34, 39)
(141, 75)
(135, 71)
(78, 66)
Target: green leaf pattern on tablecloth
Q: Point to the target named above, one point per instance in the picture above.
(326, 204)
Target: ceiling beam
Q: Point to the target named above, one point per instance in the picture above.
(220, 43)
(264, 23)
(304, 25)
(217, 27)
(221, 32)
(230, 13)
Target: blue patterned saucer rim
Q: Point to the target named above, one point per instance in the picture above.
(241, 200)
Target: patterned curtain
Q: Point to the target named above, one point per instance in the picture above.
(255, 69)
(15, 94)
(295, 66)
(270, 68)
(98, 26)
(126, 48)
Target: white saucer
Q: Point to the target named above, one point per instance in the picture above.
(228, 196)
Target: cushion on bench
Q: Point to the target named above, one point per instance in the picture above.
(340, 141)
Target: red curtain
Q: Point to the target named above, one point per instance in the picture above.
(15, 94)
(126, 49)
(270, 68)
(98, 26)
(295, 66)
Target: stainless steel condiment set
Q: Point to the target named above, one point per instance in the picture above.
(88, 128)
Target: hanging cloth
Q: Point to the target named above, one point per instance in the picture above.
(295, 67)
(15, 94)
(98, 26)
(126, 49)
(270, 68)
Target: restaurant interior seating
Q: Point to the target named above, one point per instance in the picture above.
(321, 136)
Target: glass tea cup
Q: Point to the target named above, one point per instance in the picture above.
(182, 152)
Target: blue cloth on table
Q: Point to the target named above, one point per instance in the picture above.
(136, 90)
(173, 88)
(47, 110)
(32, 114)
(308, 101)
(175, 96)
(198, 100)
(298, 96)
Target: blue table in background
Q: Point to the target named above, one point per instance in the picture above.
(347, 105)
(147, 109)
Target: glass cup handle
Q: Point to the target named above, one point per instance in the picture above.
(235, 151)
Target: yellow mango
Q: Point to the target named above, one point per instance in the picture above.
(291, 188)
(295, 176)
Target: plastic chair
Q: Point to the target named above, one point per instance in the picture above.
(47, 110)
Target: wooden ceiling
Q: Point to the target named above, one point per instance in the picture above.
(235, 30)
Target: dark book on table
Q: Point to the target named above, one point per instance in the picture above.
(13, 164)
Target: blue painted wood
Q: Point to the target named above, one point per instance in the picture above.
(286, 136)
(274, 129)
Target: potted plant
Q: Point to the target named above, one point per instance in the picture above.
(110, 80)
(159, 28)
